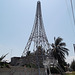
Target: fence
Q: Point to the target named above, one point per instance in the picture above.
(21, 71)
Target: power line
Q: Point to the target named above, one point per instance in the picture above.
(72, 11)
(67, 8)
(70, 17)
(74, 3)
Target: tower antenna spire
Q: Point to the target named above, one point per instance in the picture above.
(38, 35)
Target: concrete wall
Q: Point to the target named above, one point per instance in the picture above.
(21, 71)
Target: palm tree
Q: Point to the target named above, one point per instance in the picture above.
(3, 63)
(2, 57)
(58, 50)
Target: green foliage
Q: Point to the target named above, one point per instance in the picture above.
(28, 65)
(59, 51)
(2, 57)
(3, 63)
(31, 65)
(54, 70)
(28, 53)
(73, 65)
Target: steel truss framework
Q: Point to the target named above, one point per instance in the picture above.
(38, 35)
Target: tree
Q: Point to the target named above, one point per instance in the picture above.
(28, 53)
(2, 57)
(3, 63)
(58, 50)
(73, 65)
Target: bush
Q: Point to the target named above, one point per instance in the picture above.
(54, 70)
(73, 65)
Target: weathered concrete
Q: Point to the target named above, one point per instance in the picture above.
(21, 71)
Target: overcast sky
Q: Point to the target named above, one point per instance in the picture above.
(17, 19)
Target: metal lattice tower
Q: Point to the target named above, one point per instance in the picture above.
(38, 35)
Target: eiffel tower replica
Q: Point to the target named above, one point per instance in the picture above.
(38, 35)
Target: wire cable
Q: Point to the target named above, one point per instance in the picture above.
(70, 17)
(68, 9)
(72, 11)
